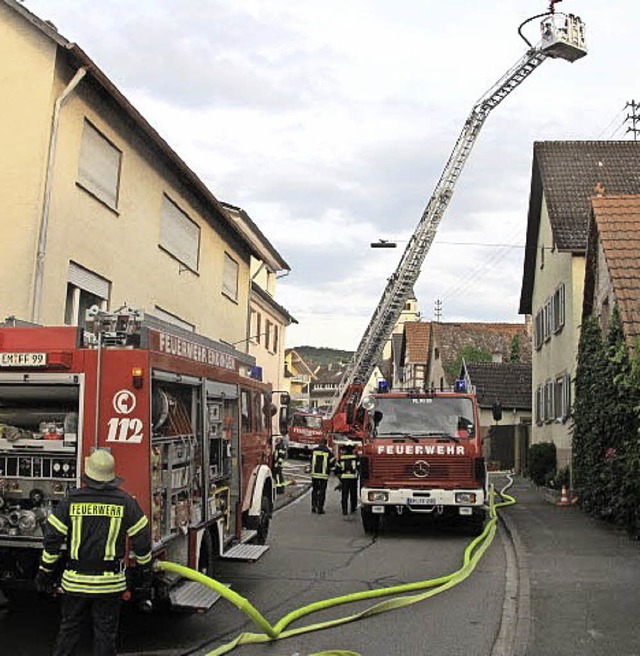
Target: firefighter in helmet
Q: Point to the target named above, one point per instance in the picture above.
(279, 456)
(322, 463)
(348, 470)
(95, 522)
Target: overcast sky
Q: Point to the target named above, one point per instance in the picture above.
(330, 121)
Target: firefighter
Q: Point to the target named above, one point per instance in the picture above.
(279, 456)
(95, 522)
(348, 470)
(322, 463)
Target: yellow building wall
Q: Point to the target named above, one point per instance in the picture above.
(558, 354)
(27, 60)
(121, 246)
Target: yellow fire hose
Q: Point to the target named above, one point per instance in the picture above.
(472, 555)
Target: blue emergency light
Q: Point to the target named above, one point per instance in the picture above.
(460, 385)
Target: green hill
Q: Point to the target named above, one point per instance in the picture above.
(323, 355)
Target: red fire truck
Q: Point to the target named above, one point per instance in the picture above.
(421, 452)
(188, 426)
(305, 432)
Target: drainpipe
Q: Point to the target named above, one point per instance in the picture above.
(44, 219)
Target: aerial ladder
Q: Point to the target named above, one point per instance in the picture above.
(563, 38)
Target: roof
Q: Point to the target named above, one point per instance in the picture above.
(79, 59)
(328, 374)
(506, 382)
(269, 300)
(239, 215)
(416, 341)
(566, 172)
(617, 221)
(494, 338)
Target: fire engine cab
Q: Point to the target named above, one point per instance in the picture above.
(188, 426)
(422, 453)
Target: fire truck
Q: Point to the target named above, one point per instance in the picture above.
(304, 432)
(421, 449)
(188, 426)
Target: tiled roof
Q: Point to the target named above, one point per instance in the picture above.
(495, 338)
(566, 172)
(328, 373)
(417, 336)
(618, 223)
(506, 382)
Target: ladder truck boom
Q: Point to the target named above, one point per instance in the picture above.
(562, 37)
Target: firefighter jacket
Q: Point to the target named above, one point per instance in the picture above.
(348, 466)
(279, 456)
(95, 522)
(322, 462)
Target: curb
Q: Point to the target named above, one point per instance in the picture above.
(516, 625)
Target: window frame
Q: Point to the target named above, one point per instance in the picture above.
(230, 293)
(88, 182)
(172, 248)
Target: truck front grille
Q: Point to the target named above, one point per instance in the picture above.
(397, 471)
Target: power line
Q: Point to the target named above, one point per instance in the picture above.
(615, 118)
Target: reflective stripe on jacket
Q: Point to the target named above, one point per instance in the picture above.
(348, 466)
(322, 462)
(96, 522)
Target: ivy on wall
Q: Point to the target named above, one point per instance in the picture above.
(606, 444)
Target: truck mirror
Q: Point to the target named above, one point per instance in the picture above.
(377, 418)
(285, 399)
(496, 410)
(284, 420)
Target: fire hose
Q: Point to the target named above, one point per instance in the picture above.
(472, 556)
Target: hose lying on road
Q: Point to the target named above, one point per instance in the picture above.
(472, 555)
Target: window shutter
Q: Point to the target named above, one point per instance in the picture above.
(179, 234)
(88, 281)
(99, 165)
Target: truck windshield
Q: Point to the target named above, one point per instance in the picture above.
(425, 417)
(307, 421)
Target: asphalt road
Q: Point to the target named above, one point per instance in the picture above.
(314, 557)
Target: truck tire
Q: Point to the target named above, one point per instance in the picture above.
(264, 520)
(370, 522)
(477, 522)
(206, 557)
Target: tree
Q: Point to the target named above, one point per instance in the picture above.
(468, 353)
(516, 350)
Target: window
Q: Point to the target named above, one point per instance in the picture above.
(179, 235)
(99, 166)
(562, 397)
(548, 401)
(558, 308)
(258, 416)
(267, 334)
(230, 277)
(539, 405)
(84, 289)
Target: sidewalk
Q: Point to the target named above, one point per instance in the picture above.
(579, 580)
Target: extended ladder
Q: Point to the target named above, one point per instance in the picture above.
(562, 37)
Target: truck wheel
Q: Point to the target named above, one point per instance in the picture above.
(370, 522)
(206, 556)
(264, 520)
(477, 522)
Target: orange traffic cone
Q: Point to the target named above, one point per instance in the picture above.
(564, 497)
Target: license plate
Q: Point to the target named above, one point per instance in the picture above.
(377, 510)
(23, 359)
(421, 501)
(466, 511)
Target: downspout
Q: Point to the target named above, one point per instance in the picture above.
(44, 220)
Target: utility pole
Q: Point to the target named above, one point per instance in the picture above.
(438, 310)
(633, 118)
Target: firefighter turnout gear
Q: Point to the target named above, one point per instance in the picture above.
(95, 522)
(348, 470)
(279, 456)
(322, 463)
